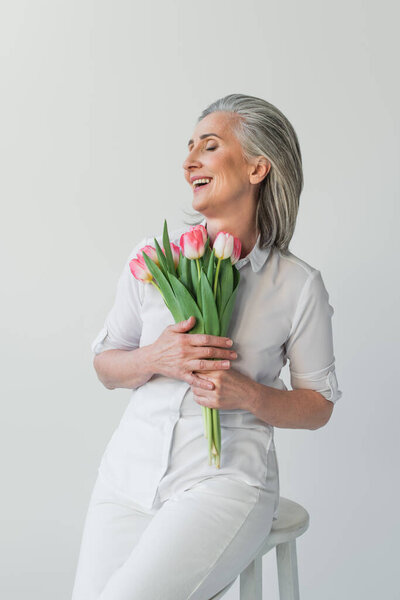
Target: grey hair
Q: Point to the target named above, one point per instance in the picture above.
(262, 129)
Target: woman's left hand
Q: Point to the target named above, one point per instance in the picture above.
(232, 389)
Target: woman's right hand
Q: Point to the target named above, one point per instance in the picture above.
(177, 354)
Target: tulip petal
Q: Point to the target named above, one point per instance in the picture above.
(192, 243)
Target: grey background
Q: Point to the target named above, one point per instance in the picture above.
(98, 100)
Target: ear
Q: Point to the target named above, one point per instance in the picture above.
(259, 169)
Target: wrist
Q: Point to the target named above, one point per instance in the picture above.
(152, 360)
(252, 398)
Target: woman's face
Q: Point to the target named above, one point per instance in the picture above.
(215, 152)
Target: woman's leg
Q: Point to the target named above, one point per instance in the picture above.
(198, 541)
(112, 528)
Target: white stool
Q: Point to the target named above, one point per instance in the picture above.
(292, 521)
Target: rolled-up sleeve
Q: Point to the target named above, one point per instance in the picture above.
(309, 346)
(123, 324)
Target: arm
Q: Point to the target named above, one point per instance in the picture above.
(119, 361)
(124, 368)
(295, 409)
(309, 348)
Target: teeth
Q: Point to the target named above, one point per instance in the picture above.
(201, 181)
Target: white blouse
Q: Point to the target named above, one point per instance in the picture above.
(282, 312)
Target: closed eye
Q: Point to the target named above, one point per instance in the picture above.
(213, 148)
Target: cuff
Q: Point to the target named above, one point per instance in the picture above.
(325, 382)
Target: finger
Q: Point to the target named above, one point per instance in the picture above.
(198, 391)
(199, 383)
(211, 352)
(205, 339)
(183, 325)
(208, 365)
(204, 401)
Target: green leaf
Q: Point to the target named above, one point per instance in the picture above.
(218, 299)
(211, 269)
(194, 276)
(161, 258)
(167, 249)
(166, 290)
(236, 276)
(207, 252)
(227, 313)
(187, 304)
(226, 280)
(185, 276)
(210, 313)
(179, 269)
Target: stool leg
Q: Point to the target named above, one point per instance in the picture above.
(251, 581)
(286, 559)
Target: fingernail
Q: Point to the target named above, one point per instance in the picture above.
(229, 343)
(225, 363)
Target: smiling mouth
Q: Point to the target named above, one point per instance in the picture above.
(200, 186)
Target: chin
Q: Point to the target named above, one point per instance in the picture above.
(198, 203)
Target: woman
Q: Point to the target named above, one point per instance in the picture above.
(162, 523)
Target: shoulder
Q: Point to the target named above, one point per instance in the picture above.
(293, 273)
(301, 282)
(294, 264)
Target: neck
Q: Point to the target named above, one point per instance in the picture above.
(246, 231)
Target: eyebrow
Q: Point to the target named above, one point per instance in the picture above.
(204, 136)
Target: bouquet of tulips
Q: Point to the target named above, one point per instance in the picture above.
(198, 280)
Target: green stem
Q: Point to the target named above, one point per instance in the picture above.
(155, 285)
(198, 267)
(216, 277)
(216, 435)
(203, 410)
(209, 434)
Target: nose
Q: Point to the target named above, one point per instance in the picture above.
(191, 161)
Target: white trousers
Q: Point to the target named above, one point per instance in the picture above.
(186, 548)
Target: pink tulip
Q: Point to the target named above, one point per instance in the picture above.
(139, 269)
(223, 245)
(193, 242)
(150, 252)
(176, 251)
(202, 229)
(237, 249)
